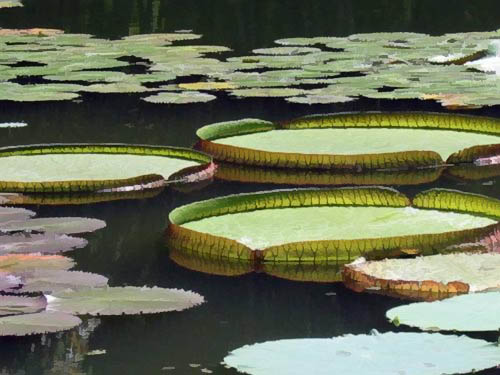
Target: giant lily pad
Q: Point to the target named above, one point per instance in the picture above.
(325, 224)
(388, 353)
(90, 168)
(31, 324)
(467, 313)
(432, 277)
(122, 300)
(364, 140)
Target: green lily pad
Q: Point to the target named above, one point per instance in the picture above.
(317, 224)
(19, 263)
(10, 3)
(46, 243)
(184, 97)
(61, 225)
(8, 214)
(86, 168)
(431, 277)
(285, 50)
(371, 140)
(52, 281)
(32, 324)
(387, 353)
(467, 313)
(15, 305)
(122, 300)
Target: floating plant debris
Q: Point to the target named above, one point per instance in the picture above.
(317, 224)
(366, 140)
(31, 324)
(431, 277)
(386, 353)
(122, 300)
(466, 313)
(91, 168)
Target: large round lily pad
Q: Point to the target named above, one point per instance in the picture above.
(331, 224)
(354, 140)
(431, 277)
(31, 324)
(88, 168)
(467, 313)
(122, 300)
(375, 354)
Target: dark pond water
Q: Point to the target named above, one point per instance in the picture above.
(131, 251)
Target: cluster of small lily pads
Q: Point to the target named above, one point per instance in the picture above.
(457, 70)
(39, 291)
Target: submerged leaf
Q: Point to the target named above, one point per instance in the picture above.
(467, 313)
(32, 324)
(387, 353)
(122, 300)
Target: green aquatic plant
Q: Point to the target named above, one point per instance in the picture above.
(37, 323)
(122, 300)
(317, 224)
(386, 353)
(64, 168)
(427, 278)
(366, 140)
(10, 3)
(467, 313)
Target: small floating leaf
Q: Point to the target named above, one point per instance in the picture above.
(14, 305)
(8, 214)
(123, 300)
(185, 97)
(61, 225)
(10, 3)
(8, 281)
(386, 353)
(52, 281)
(20, 263)
(46, 243)
(32, 324)
(467, 313)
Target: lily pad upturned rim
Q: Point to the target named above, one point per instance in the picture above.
(151, 181)
(180, 237)
(390, 160)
